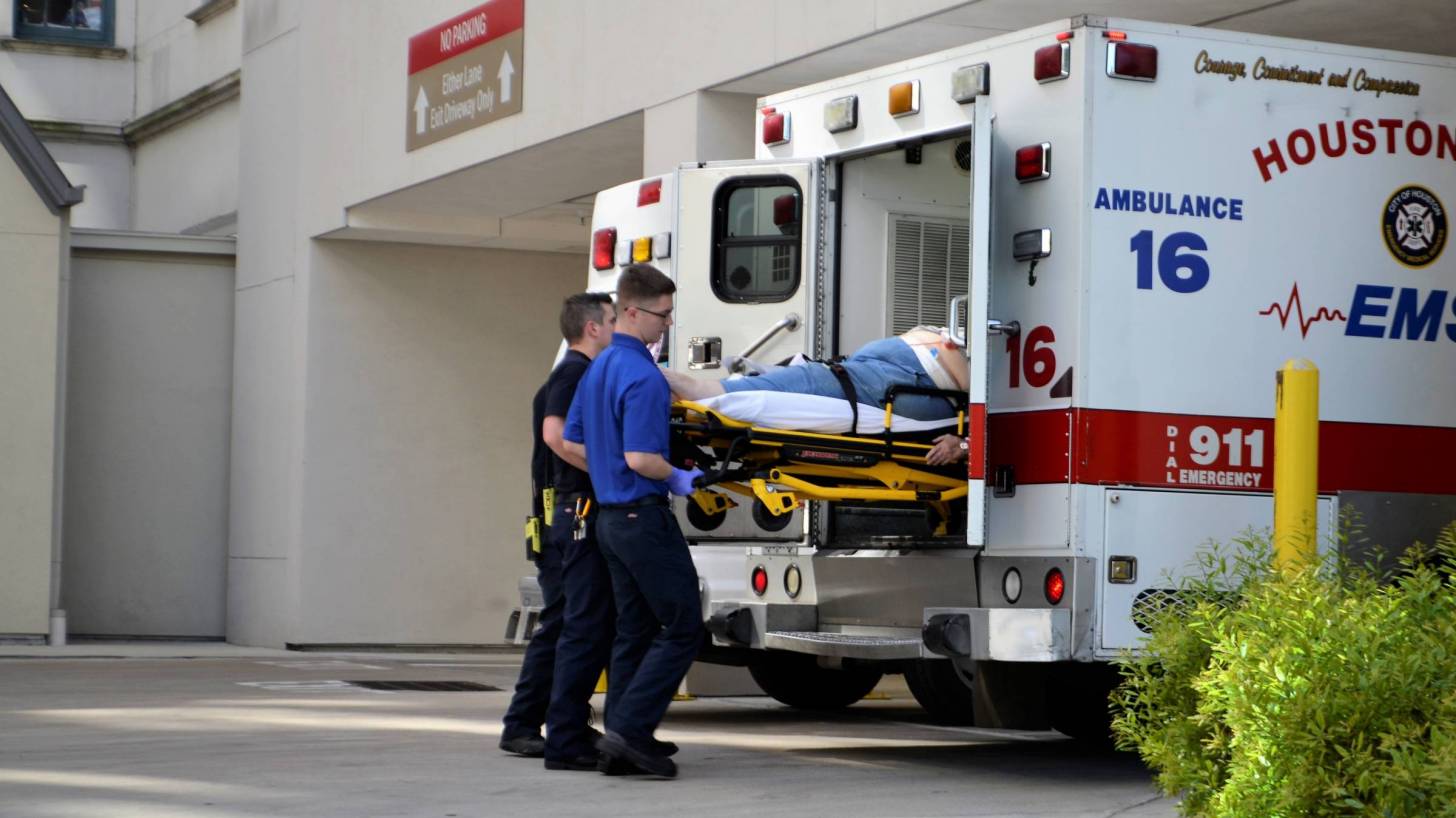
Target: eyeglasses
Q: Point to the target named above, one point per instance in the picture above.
(666, 316)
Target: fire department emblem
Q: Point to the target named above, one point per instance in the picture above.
(1414, 225)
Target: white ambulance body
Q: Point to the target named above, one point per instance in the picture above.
(1205, 205)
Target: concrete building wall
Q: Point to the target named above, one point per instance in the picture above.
(580, 70)
(187, 177)
(175, 56)
(269, 335)
(105, 170)
(31, 238)
(149, 394)
(72, 87)
(421, 365)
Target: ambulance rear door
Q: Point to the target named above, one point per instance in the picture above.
(979, 331)
(748, 273)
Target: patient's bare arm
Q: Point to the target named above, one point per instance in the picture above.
(687, 387)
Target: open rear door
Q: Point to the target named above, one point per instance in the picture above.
(747, 274)
(977, 332)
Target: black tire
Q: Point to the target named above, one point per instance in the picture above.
(702, 520)
(1077, 703)
(797, 680)
(766, 519)
(941, 690)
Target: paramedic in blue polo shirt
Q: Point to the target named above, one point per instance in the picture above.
(620, 418)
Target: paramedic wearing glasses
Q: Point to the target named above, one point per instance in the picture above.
(568, 650)
(619, 422)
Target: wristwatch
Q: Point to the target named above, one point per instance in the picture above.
(965, 445)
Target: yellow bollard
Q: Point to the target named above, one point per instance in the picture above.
(1296, 461)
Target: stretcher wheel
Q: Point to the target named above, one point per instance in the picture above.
(766, 519)
(702, 520)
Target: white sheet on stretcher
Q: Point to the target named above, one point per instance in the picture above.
(812, 413)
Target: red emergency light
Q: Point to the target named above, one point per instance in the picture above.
(1034, 162)
(1052, 62)
(775, 127)
(1132, 61)
(649, 193)
(604, 248)
(1055, 586)
(760, 580)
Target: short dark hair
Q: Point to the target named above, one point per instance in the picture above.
(640, 283)
(578, 309)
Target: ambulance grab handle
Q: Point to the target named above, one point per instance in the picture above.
(789, 322)
(957, 332)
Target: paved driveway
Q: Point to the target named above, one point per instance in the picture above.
(234, 734)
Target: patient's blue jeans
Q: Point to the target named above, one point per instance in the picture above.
(873, 369)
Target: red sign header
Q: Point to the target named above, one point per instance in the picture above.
(463, 32)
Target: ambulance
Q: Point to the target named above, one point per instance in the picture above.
(1130, 227)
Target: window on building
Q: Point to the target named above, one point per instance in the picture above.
(756, 230)
(70, 21)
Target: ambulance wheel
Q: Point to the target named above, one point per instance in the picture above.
(702, 520)
(797, 680)
(766, 519)
(942, 689)
(1081, 708)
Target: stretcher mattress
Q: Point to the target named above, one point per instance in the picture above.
(813, 413)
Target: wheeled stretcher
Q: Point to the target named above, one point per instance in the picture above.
(777, 469)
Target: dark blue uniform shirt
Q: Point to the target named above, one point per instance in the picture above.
(621, 405)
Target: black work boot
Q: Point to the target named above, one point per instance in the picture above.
(528, 745)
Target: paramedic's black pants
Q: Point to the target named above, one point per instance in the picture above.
(584, 644)
(533, 689)
(659, 615)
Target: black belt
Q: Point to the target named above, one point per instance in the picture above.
(649, 500)
(570, 499)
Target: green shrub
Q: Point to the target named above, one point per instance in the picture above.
(1319, 690)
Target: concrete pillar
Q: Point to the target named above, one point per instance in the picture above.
(697, 127)
(270, 313)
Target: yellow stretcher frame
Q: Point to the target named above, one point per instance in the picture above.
(893, 471)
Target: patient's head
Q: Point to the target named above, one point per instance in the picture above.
(587, 322)
(644, 302)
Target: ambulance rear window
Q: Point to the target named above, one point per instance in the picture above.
(756, 228)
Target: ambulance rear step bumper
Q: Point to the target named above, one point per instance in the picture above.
(844, 645)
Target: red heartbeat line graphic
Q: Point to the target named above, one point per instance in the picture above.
(1294, 306)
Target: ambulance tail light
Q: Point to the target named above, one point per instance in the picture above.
(760, 580)
(642, 249)
(1053, 62)
(649, 193)
(604, 245)
(1132, 61)
(776, 127)
(1034, 162)
(1055, 586)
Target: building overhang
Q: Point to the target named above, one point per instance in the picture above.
(34, 161)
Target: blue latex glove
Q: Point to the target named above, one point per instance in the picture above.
(680, 482)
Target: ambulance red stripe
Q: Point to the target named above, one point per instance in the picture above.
(1132, 448)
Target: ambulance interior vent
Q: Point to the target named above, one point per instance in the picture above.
(961, 155)
(930, 262)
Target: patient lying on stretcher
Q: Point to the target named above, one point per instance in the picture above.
(923, 357)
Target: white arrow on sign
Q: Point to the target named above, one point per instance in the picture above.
(422, 104)
(507, 70)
